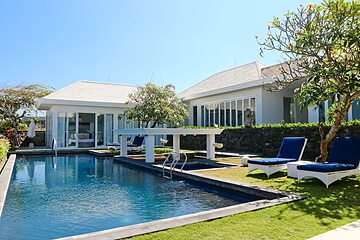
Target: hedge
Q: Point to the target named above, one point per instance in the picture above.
(287, 125)
(4, 148)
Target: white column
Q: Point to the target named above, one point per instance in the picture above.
(210, 148)
(176, 145)
(123, 146)
(96, 129)
(150, 148)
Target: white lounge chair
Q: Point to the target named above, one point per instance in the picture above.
(291, 150)
(343, 162)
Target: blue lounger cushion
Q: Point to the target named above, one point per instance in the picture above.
(271, 161)
(138, 141)
(345, 150)
(326, 167)
(291, 147)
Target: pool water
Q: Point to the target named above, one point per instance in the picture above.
(53, 197)
(199, 166)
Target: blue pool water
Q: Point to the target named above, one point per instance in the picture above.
(77, 194)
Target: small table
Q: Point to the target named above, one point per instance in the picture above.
(292, 168)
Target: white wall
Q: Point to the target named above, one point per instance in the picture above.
(273, 105)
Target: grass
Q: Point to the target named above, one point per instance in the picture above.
(325, 209)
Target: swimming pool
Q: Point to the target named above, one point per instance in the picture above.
(56, 197)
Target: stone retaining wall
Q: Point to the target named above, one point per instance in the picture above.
(264, 141)
(38, 140)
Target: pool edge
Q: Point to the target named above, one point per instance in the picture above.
(5, 177)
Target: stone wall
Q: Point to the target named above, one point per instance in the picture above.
(38, 140)
(264, 141)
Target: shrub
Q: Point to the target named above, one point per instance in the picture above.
(4, 148)
(23, 127)
(288, 125)
(5, 124)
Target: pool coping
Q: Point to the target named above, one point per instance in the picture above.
(275, 197)
(5, 177)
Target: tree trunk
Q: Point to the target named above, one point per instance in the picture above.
(340, 113)
(15, 135)
(153, 125)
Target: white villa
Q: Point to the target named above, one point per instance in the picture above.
(222, 99)
(85, 113)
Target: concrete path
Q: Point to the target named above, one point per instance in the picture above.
(347, 232)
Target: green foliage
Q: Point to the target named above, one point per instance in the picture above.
(322, 43)
(288, 125)
(5, 124)
(157, 105)
(4, 148)
(23, 127)
(16, 101)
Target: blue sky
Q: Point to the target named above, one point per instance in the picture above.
(58, 42)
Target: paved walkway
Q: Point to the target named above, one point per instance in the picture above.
(347, 232)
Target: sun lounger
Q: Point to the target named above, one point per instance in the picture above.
(291, 150)
(343, 161)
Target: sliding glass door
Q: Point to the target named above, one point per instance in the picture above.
(86, 132)
(104, 129)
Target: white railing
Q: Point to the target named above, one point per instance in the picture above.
(54, 146)
(176, 158)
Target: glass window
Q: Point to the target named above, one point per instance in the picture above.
(71, 129)
(202, 116)
(233, 113)
(211, 115)
(239, 112)
(227, 114)
(86, 135)
(356, 110)
(195, 116)
(61, 130)
(222, 114)
(252, 107)
(322, 112)
(100, 129)
(216, 112)
(109, 126)
(207, 119)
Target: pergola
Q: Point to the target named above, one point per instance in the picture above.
(150, 134)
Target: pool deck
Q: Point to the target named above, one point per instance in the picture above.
(5, 177)
(349, 231)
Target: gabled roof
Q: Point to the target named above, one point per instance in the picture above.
(88, 93)
(237, 76)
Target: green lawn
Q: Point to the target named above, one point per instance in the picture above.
(325, 209)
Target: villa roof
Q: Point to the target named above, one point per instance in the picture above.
(88, 93)
(225, 81)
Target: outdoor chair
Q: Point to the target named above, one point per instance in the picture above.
(291, 150)
(343, 161)
(136, 144)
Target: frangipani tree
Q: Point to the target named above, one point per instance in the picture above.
(154, 104)
(320, 44)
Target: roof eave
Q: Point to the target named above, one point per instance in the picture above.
(232, 88)
(46, 103)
